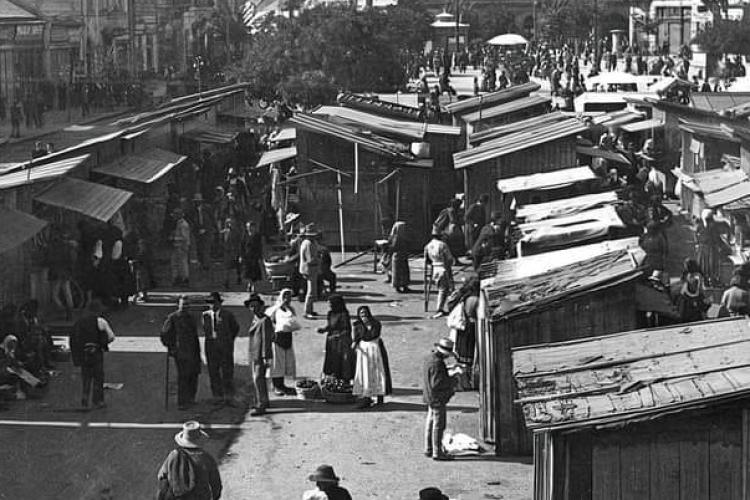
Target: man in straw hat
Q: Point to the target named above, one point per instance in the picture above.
(189, 472)
(261, 351)
(179, 334)
(89, 339)
(180, 249)
(439, 387)
(220, 328)
(309, 267)
(327, 485)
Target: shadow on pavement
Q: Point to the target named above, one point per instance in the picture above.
(280, 406)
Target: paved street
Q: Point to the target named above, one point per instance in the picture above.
(376, 452)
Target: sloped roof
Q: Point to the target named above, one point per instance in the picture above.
(734, 193)
(632, 376)
(571, 229)
(643, 125)
(10, 12)
(378, 106)
(545, 180)
(37, 173)
(277, 155)
(566, 206)
(718, 101)
(519, 141)
(709, 130)
(505, 108)
(711, 181)
(506, 298)
(18, 227)
(88, 198)
(597, 152)
(210, 135)
(484, 100)
(412, 130)
(511, 128)
(146, 166)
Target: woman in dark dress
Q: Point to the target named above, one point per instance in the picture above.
(399, 248)
(338, 361)
(450, 222)
(692, 302)
(252, 255)
(373, 375)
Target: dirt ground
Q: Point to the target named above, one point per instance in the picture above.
(54, 451)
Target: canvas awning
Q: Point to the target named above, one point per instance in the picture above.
(545, 180)
(37, 173)
(210, 136)
(731, 194)
(571, 229)
(18, 227)
(88, 198)
(144, 167)
(643, 126)
(277, 155)
(567, 206)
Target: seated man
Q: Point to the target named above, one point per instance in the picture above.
(35, 340)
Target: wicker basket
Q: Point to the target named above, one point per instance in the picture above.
(338, 398)
(307, 393)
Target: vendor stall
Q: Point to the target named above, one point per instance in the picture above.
(548, 186)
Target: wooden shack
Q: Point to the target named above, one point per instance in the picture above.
(549, 297)
(649, 415)
(545, 148)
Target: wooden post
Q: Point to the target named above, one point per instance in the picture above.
(398, 198)
(341, 215)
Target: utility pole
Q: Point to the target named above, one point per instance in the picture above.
(458, 28)
(131, 39)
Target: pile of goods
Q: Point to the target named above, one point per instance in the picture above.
(308, 389)
(337, 391)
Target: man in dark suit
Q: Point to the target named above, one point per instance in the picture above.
(261, 351)
(220, 328)
(89, 340)
(179, 334)
(439, 387)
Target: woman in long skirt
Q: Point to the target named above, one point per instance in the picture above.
(399, 247)
(373, 375)
(338, 361)
(285, 322)
(252, 255)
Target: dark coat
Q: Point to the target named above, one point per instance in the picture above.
(438, 387)
(86, 331)
(261, 340)
(227, 327)
(179, 334)
(189, 474)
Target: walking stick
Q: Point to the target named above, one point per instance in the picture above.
(427, 286)
(166, 384)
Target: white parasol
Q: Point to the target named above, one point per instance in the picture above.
(507, 39)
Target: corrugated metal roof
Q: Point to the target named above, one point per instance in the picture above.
(545, 180)
(730, 194)
(40, 172)
(210, 136)
(717, 101)
(567, 206)
(146, 167)
(643, 125)
(88, 198)
(505, 108)
(277, 155)
(500, 271)
(632, 376)
(10, 12)
(504, 95)
(511, 128)
(512, 143)
(506, 297)
(18, 227)
(372, 142)
(598, 152)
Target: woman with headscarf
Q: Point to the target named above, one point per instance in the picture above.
(338, 361)
(284, 364)
(11, 367)
(692, 302)
(372, 377)
(399, 248)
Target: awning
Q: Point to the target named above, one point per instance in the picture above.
(506, 108)
(285, 134)
(210, 136)
(583, 226)
(88, 198)
(145, 167)
(38, 173)
(729, 195)
(545, 180)
(567, 206)
(277, 155)
(617, 118)
(18, 227)
(710, 181)
(643, 126)
(597, 152)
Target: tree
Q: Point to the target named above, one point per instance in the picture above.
(723, 37)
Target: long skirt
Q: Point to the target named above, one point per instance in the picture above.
(284, 363)
(465, 343)
(370, 378)
(339, 359)
(400, 266)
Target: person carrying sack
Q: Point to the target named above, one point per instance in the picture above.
(189, 472)
(89, 340)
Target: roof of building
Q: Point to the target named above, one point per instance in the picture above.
(730, 194)
(618, 118)
(413, 130)
(718, 101)
(365, 139)
(711, 181)
(511, 297)
(519, 141)
(510, 128)
(375, 105)
(643, 125)
(597, 152)
(570, 229)
(633, 376)
(277, 155)
(18, 227)
(484, 100)
(505, 108)
(10, 12)
(146, 166)
(210, 135)
(40, 173)
(709, 130)
(285, 134)
(88, 198)
(566, 206)
(546, 180)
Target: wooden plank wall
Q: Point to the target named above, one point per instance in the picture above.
(684, 457)
(597, 313)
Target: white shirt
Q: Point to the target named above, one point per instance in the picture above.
(103, 325)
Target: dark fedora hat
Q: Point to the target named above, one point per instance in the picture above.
(324, 473)
(432, 494)
(254, 297)
(215, 297)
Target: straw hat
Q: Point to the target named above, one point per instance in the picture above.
(445, 345)
(254, 297)
(191, 435)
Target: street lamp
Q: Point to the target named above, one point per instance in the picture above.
(198, 64)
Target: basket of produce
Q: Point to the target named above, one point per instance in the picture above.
(308, 389)
(337, 391)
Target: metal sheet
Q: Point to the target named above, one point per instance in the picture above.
(37, 173)
(146, 167)
(545, 180)
(88, 198)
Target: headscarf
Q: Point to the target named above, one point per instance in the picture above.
(398, 229)
(280, 303)
(10, 342)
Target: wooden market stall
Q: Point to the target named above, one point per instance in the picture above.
(649, 415)
(564, 207)
(550, 297)
(548, 186)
